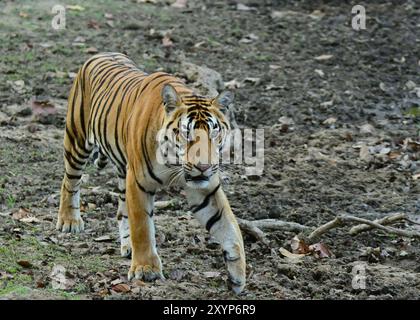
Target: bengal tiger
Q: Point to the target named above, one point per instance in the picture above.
(134, 119)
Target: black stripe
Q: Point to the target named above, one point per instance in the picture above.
(151, 214)
(70, 191)
(73, 177)
(205, 201)
(96, 122)
(130, 85)
(225, 257)
(144, 190)
(151, 80)
(216, 217)
(146, 155)
(125, 237)
(68, 156)
(71, 164)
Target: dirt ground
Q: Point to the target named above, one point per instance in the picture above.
(340, 110)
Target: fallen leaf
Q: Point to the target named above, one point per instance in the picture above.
(324, 57)
(320, 250)
(179, 4)
(23, 14)
(75, 7)
(394, 155)
(242, 7)
(121, 288)
(211, 274)
(290, 255)
(24, 263)
(329, 121)
(105, 238)
(116, 281)
(167, 42)
(274, 67)
(93, 24)
(91, 50)
(364, 153)
(30, 219)
(20, 214)
(319, 72)
(164, 204)
(42, 107)
(138, 283)
(299, 246)
(367, 129)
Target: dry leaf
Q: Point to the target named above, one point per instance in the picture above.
(23, 14)
(30, 219)
(24, 263)
(242, 7)
(323, 57)
(329, 121)
(164, 204)
(320, 250)
(211, 274)
(104, 239)
(299, 246)
(394, 155)
(179, 4)
(91, 50)
(167, 42)
(290, 255)
(364, 153)
(75, 7)
(121, 288)
(93, 24)
(20, 214)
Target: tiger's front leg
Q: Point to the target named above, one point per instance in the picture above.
(213, 211)
(145, 262)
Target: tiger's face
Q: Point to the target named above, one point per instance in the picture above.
(194, 131)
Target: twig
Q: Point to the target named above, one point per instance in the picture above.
(384, 221)
(248, 227)
(254, 227)
(343, 219)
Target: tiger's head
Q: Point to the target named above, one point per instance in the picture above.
(193, 134)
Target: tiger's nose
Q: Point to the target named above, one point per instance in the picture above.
(202, 167)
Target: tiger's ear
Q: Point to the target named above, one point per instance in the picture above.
(170, 98)
(224, 100)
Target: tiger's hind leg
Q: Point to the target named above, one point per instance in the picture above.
(122, 217)
(76, 153)
(75, 158)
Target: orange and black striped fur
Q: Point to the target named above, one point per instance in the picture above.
(134, 119)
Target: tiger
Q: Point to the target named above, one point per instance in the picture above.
(134, 120)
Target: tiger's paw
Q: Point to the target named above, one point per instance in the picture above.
(145, 272)
(125, 250)
(73, 225)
